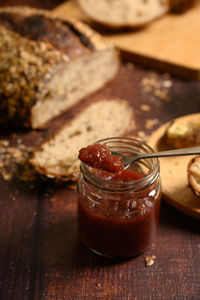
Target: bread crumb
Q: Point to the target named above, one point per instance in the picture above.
(149, 124)
(5, 143)
(149, 260)
(14, 161)
(141, 135)
(130, 66)
(72, 186)
(162, 94)
(158, 86)
(145, 107)
(167, 83)
(6, 176)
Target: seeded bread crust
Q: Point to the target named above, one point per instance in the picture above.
(58, 156)
(88, 37)
(35, 47)
(193, 172)
(37, 61)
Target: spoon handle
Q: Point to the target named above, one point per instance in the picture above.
(176, 152)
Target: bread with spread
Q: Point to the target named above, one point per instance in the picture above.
(183, 133)
(58, 156)
(48, 65)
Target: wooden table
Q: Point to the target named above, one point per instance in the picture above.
(41, 256)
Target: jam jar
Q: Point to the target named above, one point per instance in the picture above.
(118, 213)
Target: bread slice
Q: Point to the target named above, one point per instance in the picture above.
(194, 174)
(48, 65)
(124, 13)
(58, 156)
(130, 13)
(183, 133)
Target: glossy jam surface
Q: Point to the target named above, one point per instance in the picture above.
(120, 224)
(99, 156)
(121, 176)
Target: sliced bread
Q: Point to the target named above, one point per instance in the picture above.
(124, 13)
(48, 65)
(58, 156)
(183, 133)
(194, 174)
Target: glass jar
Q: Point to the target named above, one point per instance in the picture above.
(118, 215)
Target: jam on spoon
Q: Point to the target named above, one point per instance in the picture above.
(99, 156)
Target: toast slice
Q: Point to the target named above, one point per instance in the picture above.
(58, 157)
(194, 174)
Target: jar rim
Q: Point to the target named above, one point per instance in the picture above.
(137, 184)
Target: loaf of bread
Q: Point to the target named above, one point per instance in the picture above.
(124, 13)
(194, 174)
(48, 65)
(58, 156)
(183, 133)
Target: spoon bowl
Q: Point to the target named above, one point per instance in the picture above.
(129, 160)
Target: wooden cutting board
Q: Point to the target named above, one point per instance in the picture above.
(174, 174)
(170, 44)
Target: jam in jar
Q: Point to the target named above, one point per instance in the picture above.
(118, 212)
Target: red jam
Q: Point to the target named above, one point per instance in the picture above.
(99, 156)
(119, 224)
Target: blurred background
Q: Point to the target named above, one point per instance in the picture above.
(48, 4)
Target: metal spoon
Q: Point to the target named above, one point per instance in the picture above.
(178, 152)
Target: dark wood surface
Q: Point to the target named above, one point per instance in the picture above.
(46, 4)
(41, 256)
